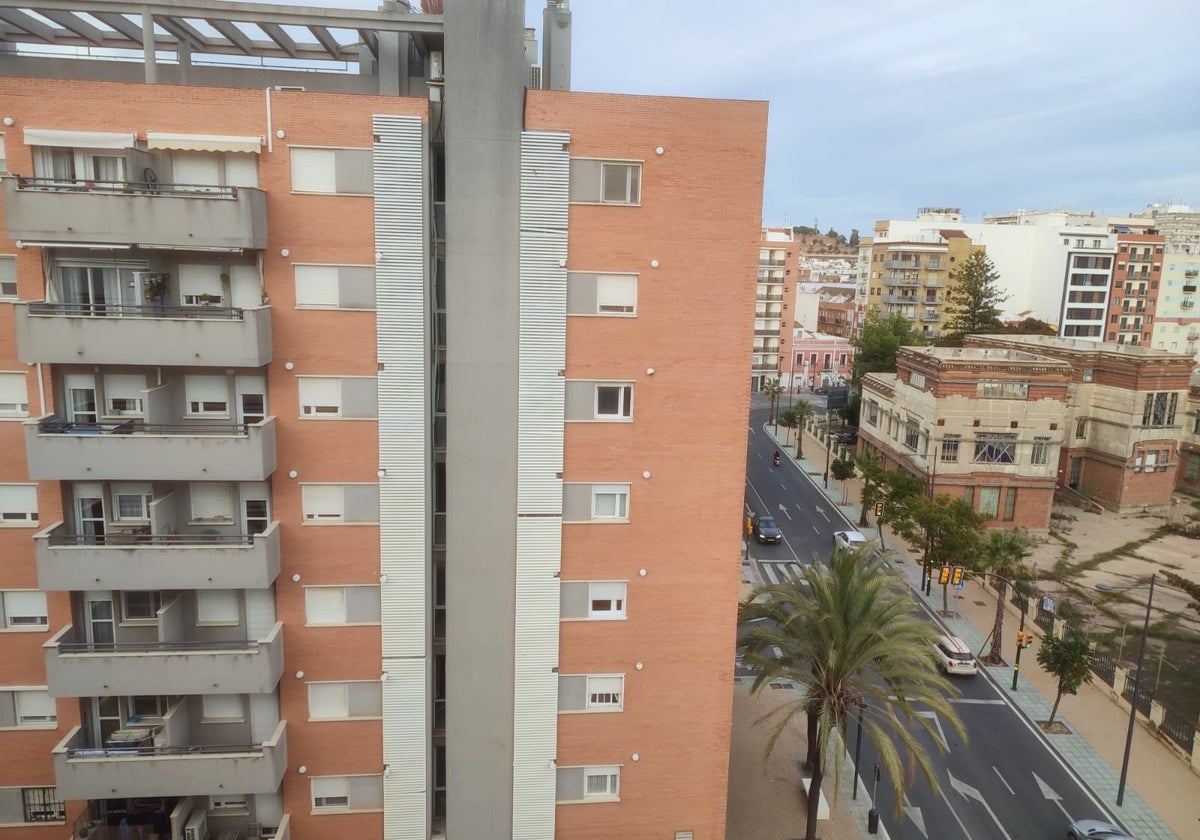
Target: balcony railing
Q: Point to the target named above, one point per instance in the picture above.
(774, 331)
(1191, 272)
(135, 213)
(771, 262)
(59, 426)
(123, 334)
(768, 296)
(131, 540)
(931, 316)
(1189, 288)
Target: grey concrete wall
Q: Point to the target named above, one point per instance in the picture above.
(253, 671)
(143, 457)
(194, 220)
(183, 342)
(483, 120)
(103, 777)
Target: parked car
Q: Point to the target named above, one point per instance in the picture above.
(766, 530)
(848, 539)
(954, 657)
(847, 436)
(1096, 829)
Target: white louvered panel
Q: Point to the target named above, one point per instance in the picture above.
(405, 785)
(542, 354)
(401, 307)
(545, 170)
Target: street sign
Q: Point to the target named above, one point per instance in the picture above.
(1050, 605)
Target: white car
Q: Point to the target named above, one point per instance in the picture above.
(954, 657)
(849, 540)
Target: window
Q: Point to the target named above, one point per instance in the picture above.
(221, 708)
(1010, 503)
(950, 447)
(201, 284)
(606, 599)
(333, 605)
(601, 782)
(335, 286)
(1159, 409)
(992, 390)
(1041, 451)
(347, 793)
(8, 269)
(614, 402)
(605, 182)
(349, 397)
(148, 706)
(33, 707)
(329, 504)
(610, 501)
(333, 171)
(228, 805)
(917, 380)
(616, 294)
(132, 501)
(14, 400)
(218, 606)
(207, 395)
(1192, 469)
(42, 804)
(140, 606)
(989, 502)
(123, 395)
(912, 434)
(23, 609)
(18, 505)
(605, 692)
(873, 412)
(345, 700)
(1088, 374)
(995, 449)
(212, 502)
(1081, 427)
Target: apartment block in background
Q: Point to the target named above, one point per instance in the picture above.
(1136, 282)
(777, 268)
(910, 276)
(342, 492)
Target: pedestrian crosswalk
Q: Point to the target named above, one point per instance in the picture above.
(777, 571)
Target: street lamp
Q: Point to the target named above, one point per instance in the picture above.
(828, 440)
(1137, 685)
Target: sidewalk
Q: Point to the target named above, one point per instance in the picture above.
(1170, 808)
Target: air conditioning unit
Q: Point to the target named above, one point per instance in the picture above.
(197, 826)
(535, 77)
(435, 66)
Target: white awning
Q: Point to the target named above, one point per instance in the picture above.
(79, 139)
(203, 142)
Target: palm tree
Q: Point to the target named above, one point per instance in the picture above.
(847, 633)
(1001, 555)
(803, 410)
(789, 421)
(772, 389)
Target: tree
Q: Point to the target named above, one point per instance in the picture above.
(1032, 326)
(789, 421)
(1001, 554)
(804, 410)
(871, 469)
(1069, 659)
(848, 635)
(948, 528)
(879, 337)
(854, 240)
(843, 470)
(973, 299)
(772, 389)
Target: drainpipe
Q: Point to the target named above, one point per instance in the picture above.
(270, 134)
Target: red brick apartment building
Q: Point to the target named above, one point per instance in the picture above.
(1135, 288)
(1005, 420)
(343, 407)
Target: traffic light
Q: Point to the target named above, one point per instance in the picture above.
(1029, 640)
(879, 508)
(956, 575)
(1024, 640)
(944, 575)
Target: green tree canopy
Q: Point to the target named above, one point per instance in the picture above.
(973, 299)
(847, 635)
(947, 528)
(772, 389)
(1069, 659)
(843, 469)
(878, 339)
(1001, 554)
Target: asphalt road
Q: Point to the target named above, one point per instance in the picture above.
(1004, 782)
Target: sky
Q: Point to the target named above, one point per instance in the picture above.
(878, 107)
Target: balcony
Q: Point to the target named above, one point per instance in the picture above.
(772, 331)
(73, 333)
(901, 280)
(931, 316)
(145, 215)
(69, 562)
(87, 825)
(137, 451)
(765, 367)
(909, 299)
(771, 262)
(910, 265)
(1191, 272)
(767, 313)
(768, 296)
(1187, 304)
(1189, 288)
(75, 668)
(85, 771)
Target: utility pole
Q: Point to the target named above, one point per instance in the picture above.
(1133, 701)
(828, 440)
(1020, 639)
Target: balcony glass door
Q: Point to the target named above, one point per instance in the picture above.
(101, 626)
(251, 399)
(81, 399)
(91, 522)
(106, 714)
(256, 515)
(92, 289)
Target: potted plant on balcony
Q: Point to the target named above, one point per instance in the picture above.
(155, 289)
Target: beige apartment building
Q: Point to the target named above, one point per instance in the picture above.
(341, 413)
(910, 276)
(777, 266)
(980, 424)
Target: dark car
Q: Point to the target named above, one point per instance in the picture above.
(766, 530)
(847, 437)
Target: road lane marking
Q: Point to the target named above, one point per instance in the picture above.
(1051, 794)
(753, 490)
(954, 813)
(914, 814)
(976, 702)
(968, 792)
(932, 715)
(1005, 783)
(783, 509)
